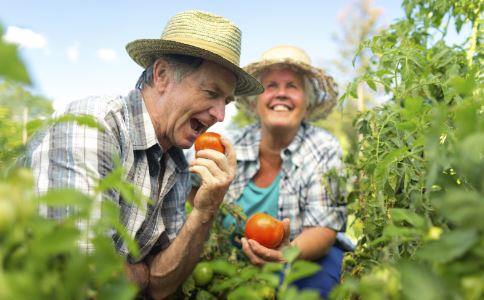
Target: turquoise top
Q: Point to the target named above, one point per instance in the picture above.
(256, 199)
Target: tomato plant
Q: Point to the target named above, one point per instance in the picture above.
(209, 140)
(265, 229)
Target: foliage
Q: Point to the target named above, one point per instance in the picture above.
(40, 258)
(416, 183)
(11, 67)
(20, 112)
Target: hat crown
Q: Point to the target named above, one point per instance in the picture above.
(205, 30)
(285, 53)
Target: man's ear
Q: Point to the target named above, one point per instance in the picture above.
(161, 75)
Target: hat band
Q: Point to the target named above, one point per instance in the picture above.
(222, 51)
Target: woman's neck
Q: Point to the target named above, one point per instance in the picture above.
(270, 160)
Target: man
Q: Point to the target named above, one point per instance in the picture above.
(191, 73)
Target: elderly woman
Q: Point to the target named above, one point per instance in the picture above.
(281, 160)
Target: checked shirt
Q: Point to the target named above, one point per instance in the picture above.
(75, 156)
(303, 197)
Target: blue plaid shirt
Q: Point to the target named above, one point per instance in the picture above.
(303, 198)
(75, 156)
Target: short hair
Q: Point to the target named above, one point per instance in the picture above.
(310, 90)
(181, 65)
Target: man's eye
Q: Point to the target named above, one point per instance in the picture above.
(211, 94)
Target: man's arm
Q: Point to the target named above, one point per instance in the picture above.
(169, 268)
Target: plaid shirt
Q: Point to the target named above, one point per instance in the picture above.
(302, 197)
(75, 156)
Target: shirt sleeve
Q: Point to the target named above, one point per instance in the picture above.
(70, 155)
(323, 206)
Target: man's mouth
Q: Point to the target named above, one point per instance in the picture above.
(197, 126)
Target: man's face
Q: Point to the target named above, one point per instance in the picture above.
(282, 105)
(194, 104)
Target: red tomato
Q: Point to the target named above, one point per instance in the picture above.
(209, 140)
(265, 229)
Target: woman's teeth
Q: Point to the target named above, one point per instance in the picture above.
(280, 108)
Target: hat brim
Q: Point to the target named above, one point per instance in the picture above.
(323, 83)
(145, 51)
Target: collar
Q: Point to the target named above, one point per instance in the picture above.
(247, 145)
(142, 132)
(141, 128)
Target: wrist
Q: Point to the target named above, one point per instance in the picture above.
(138, 274)
(202, 216)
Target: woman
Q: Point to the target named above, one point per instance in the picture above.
(281, 160)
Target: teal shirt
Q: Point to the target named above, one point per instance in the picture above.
(257, 199)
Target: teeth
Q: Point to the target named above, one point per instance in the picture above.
(280, 108)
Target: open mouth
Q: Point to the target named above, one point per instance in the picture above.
(197, 126)
(280, 107)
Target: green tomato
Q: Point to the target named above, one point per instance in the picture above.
(202, 274)
(267, 292)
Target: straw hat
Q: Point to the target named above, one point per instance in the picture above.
(325, 89)
(198, 34)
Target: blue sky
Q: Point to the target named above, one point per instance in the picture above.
(73, 49)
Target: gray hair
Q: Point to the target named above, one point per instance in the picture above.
(311, 94)
(181, 65)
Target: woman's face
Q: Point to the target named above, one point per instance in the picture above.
(283, 104)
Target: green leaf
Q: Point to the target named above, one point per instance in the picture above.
(67, 197)
(118, 290)
(60, 239)
(450, 246)
(220, 285)
(223, 267)
(11, 67)
(270, 279)
(243, 293)
(248, 272)
(272, 267)
(383, 167)
(300, 269)
(461, 207)
(86, 120)
(290, 253)
(371, 84)
(463, 86)
(400, 215)
(419, 283)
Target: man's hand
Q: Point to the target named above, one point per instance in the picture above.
(259, 255)
(217, 170)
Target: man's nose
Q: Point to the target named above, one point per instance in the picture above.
(218, 111)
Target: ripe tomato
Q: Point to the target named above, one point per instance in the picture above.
(209, 140)
(203, 273)
(265, 229)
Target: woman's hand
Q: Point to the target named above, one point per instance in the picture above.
(259, 255)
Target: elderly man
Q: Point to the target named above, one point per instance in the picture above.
(190, 74)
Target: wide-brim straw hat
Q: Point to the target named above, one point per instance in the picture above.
(287, 55)
(199, 34)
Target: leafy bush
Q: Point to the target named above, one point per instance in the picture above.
(417, 190)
